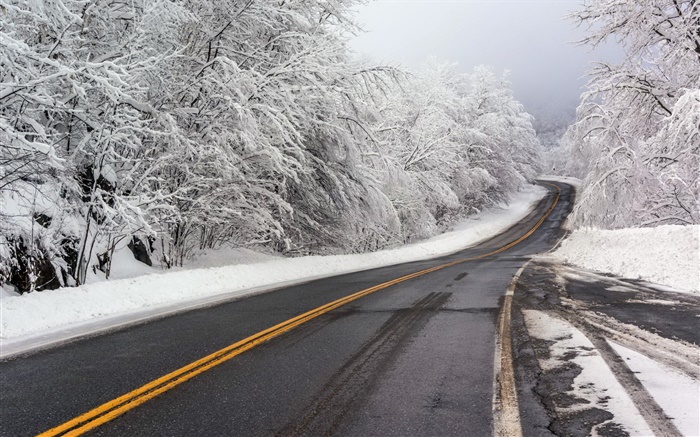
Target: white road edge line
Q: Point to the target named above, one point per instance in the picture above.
(506, 413)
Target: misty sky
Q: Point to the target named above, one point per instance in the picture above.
(529, 38)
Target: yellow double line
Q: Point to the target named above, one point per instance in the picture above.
(114, 408)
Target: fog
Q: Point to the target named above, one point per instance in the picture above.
(531, 39)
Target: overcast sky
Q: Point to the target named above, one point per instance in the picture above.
(529, 38)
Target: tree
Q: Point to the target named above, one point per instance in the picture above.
(451, 144)
(635, 125)
(182, 125)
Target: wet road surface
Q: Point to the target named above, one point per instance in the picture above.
(415, 358)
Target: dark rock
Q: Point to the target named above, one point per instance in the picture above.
(32, 270)
(140, 250)
(43, 219)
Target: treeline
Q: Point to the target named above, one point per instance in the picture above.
(636, 142)
(174, 126)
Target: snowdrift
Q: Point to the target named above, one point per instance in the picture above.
(667, 255)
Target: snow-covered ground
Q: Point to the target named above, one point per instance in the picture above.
(596, 385)
(39, 318)
(667, 255)
(675, 392)
(126, 266)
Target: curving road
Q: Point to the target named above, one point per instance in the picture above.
(415, 357)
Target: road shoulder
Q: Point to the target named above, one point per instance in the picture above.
(563, 323)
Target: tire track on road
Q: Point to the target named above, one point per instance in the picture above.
(350, 386)
(545, 291)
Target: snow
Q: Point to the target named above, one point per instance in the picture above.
(596, 383)
(229, 255)
(7, 291)
(29, 319)
(667, 255)
(124, 265)
(676, 393)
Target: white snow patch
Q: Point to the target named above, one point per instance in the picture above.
(622, 288)
(227, 256)
(596, 382)
(667, 255)
(7, 291)
(675, 392)
(33, 315)
(124, 266)
(655, 301)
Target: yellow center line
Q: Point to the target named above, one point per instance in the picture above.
(114, 408)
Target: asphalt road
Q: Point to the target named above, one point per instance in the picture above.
(415, 358)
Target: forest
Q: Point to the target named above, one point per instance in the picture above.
(636, 140)
(171, 127)
(175, 126)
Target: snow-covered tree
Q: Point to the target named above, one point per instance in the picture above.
(637, 130)
(194, 122)
(451, 144)
(270, 85)
(182, 125)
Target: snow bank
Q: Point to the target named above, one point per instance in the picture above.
(667, 255)
(125, 266)
(32, 313)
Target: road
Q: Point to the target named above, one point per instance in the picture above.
(411, 358)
